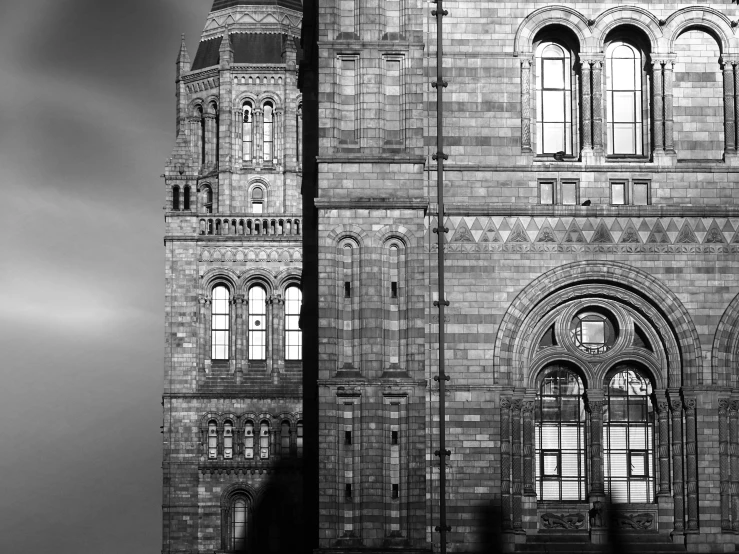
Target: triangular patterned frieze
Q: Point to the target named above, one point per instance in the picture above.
(574, 234)
(462, 234)
(714, 235)
(658, 235)
(518, 234)
(602, 234)
(546, 234)
(686, 235)
(630, 234)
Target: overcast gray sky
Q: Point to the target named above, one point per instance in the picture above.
(86, 125)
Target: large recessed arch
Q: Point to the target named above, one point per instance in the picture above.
(725, 351)
(551, 15)
(640, 287)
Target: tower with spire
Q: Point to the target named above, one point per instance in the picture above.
(233, 368)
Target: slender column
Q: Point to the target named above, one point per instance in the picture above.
(734, 451)
(505, 460)
(663, 413)
(658, 106)
(278, 136)
(597, 105)
(668, 80)
(516, 406)
(269, 333)
(677, 463)
(195, 138)
(528, 447)
(692, 459)
(526, 105)
(595, 407)
(723, 453)
(238, 332)
(278, 333)
(258, 136)
(735, 63)
(211, 133)
(729, 107)
(587, 114)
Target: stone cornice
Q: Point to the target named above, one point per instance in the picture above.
(370, 203)
(513, 210)
(573, 168)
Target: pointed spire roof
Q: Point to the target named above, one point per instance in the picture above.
(225, 4)
(183, 57)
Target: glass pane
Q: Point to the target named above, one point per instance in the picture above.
(640, 194)
(554, 74)
(569, 436)
(617, 411)
(593, 333)
(570, 410)
(551, 464)
(553, 106)
(550, 437)
(639, 491)
(638, 464)
(554, 140)
(623, 73)
(623, 107)
(623, 139)
(569, 194)
(570, 465)
(618, 195)
(549, 409)
(618, 465)
(638, 437)
(553, 51)
(619, 492)
(571, 490)
(547, 193)
(550, 490)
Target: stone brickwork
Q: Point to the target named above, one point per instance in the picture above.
(641, 226)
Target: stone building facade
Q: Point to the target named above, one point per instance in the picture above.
(592, 271)
(233, 360)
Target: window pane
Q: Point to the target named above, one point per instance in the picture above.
(547, 192)
(593, 333)
(569, 193)
(640, 194)
(623, 107)
(553, 138)
(638, 464)
(570, 465)
(551, 464)
(623, 138)
(553, 106)
(554, 74)
(623, 74)
(618, 193)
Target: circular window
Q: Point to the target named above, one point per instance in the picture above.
(593, 332)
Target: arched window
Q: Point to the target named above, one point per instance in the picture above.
(247, 131)
(257, 200)
(212, 439)
(268, 138)
(293, 334)
(624, 99)
(560, 436)
(249, 440)
(257, 323)
(201, 115)
(228, 440)
(285, 438)
(264, 439)
(554, 99)
(220, 323)
(238, 513)
(175, 198)
(207, 199)
(299, 438)
(629, 435)
(186, 203)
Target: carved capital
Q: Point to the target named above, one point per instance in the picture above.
(505, 403)
(526, 63)
(723, 405)
(595, 407)
(689, 404)
(676, 405)
(516, 405)
(734, 406)
(527, 407)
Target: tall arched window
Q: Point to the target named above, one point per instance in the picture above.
(299, 438)
(264, 439)
(175, 198)
(249, 440)
(257, 323)
(228, 440)
(268, 131)
(212, 439)
(220, 323)
(257, 200)
(285, 438)
(186, 197)
(293, 334)
(560, 436)
(201, 115)
(624, 99)
(207, 199)
(247, 131)
(629, 435)
(237, 528)
(554, 99)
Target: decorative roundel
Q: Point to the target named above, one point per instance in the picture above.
(593, 332)
(257, 323)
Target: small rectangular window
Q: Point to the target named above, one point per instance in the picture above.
(546, 192)
(638, 466)
(348, 490)
(347, 289)
(570, 193)
(394, 289)
(618, 192)
(347, 437)
(641, 193)
(394, 437)
(396, 490)
(550, 463)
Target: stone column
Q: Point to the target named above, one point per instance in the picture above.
(734, 462)
(692, 459)
(527, 411)
(505, 461)
(658, 106)
(279, 137)
(257, 137)
(595, 403)
(676, 406)
(724, 463)
(195, 138)
(729, 107)
(668, 80)
(268, 337)
(663, 414)
(516, 406)
(278, 333)
(211, 137)
(526, 105)
(587, 115)
(597, 105)
(238, 334)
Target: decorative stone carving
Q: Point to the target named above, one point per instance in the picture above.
(562, 521)
(634, 522)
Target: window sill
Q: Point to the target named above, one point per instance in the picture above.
(549, 158)
(627, 159)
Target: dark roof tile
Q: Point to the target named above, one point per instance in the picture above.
(223, 4)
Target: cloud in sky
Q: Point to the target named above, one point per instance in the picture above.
(87, 111)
